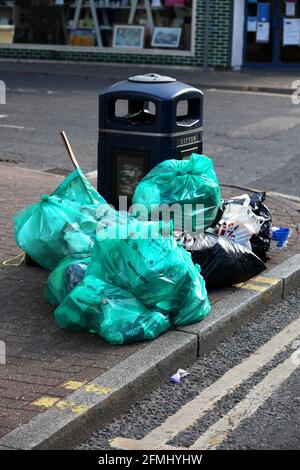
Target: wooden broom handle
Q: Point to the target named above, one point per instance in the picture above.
(69, 149)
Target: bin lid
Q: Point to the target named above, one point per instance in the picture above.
(151, 78)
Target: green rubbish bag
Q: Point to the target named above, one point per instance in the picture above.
(53, 229)
(110, 312)
(76, 187)
(156, 269)
(64, 223)
(69, 272)
(188, 183)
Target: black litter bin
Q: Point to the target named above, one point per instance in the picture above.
(143, 121)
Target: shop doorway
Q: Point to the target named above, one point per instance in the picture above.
(272, 33)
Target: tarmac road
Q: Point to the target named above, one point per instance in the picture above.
(253, 138)
(234, 422)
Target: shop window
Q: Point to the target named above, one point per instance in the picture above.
(164, 25)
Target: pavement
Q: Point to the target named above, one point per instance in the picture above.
(47, 369)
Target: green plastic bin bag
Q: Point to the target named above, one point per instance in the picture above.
(53, 229)
(64, 223)
(76, 187)
(69, 272)
(192, 184)
(110, 312)
(156, 269)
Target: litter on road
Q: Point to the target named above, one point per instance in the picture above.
(180, 374)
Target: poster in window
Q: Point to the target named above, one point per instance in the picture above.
(290, 8)
(263, 32)
(291, 32)
(251, 24)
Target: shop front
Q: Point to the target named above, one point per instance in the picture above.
(272, 33)
(132, 26)
(167, 32)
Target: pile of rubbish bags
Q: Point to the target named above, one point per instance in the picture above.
(131, 277)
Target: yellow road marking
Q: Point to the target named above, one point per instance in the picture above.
(192, 411)
(56, 402)
(88, 388)
(70, 406)
(218, 432)
(97, 390)
(250, 286)
(45, 402)
(73, 384)
(267, 280)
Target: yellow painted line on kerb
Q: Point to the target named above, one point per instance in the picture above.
(45, 402)
(73, 384)
(192, 411)
(267, 280)
(56, 402)
(88, 388)
(255, 286)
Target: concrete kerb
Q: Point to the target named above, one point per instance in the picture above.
(245, 88)
(289, 272)
(228, 314)
(71, 420)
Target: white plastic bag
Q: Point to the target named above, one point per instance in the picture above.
(239, 223)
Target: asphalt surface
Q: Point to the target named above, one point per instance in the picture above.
(253, 138)
(275, 425)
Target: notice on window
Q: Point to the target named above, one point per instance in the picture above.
(262, 32)
(251, 24)
(291, 32)
(290, 8)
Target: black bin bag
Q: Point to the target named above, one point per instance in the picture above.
(224, 262)
(261, 242)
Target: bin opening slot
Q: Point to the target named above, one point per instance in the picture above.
(134, 111)
(188, 112)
